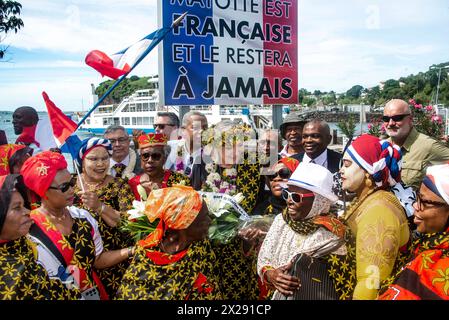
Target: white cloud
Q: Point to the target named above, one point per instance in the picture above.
(80, 26)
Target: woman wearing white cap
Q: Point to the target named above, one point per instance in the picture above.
(306, 227)
(426, 276)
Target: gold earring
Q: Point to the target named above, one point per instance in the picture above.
(368, 182)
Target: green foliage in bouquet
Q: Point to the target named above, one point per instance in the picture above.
(226, 215)
(224, 228)
(139, 228)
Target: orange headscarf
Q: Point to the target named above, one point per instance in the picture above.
(176, 207)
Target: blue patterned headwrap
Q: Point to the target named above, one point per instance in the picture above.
(88, 144)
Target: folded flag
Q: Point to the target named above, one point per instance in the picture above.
(120, 63)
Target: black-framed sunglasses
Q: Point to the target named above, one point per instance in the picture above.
(283, 173)
(63, 187)
(162, 125)
(396, 118)
(422, 204)
(295, 196)
(156, 156)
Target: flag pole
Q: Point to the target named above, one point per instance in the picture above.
(160, 34)
(79, 177)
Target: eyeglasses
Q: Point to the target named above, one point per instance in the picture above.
(295, 196)
(424, 204)
(156, 156)
(64, 186)
(283, 173)
(162, 125)
(119, 140)
(396, 118)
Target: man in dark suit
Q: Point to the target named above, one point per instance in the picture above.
(315, 139)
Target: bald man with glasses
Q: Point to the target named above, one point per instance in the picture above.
(418, 150)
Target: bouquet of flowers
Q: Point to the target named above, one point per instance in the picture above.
(225, 183)
(262, 223)
(137, 223)
(227, 215)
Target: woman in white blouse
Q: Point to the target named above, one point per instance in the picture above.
(305, 226)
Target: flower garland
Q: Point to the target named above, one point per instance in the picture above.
(225, 183)
(128, 172)
(179, 162)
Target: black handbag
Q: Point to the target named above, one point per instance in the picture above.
(316, 283)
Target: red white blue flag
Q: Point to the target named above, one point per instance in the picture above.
(120, 63)
(63, 128)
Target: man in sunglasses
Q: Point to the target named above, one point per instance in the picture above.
(418, 150)
(167, 123)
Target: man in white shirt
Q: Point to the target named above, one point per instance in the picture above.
(125, 162)
(315, 139)
(186, 153)
(291, 130)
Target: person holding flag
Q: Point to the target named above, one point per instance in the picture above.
(69, 244)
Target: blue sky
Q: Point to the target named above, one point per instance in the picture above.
(341, 43)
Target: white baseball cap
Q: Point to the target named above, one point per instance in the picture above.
(315, 178)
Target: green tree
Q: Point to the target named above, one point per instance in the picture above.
(307, 101)
(9, 19)
(302, 93)
(354, 92)
(317, 93)
(125, 89)
(330, 99)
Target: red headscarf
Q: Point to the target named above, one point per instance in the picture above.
(379, 158)
(6, 152)
(290, 163)
(40, 170)
(152, 140)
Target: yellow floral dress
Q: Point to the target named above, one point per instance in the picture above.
(21, 278)
(238, 270)
(118, 195)
(189, 275)
(380, 228)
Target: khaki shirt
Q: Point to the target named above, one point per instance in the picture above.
(418, 152)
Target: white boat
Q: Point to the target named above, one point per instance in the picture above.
(139, 111)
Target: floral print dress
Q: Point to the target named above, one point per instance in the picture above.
(118, 195)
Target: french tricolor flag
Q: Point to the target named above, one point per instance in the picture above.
(120, 63)
(63, 128)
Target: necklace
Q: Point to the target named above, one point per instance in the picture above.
(356, 203)
(92, 187)
(53, 217)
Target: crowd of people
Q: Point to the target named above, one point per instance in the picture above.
(369, 223)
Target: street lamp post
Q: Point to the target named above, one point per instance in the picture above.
(438, 84)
